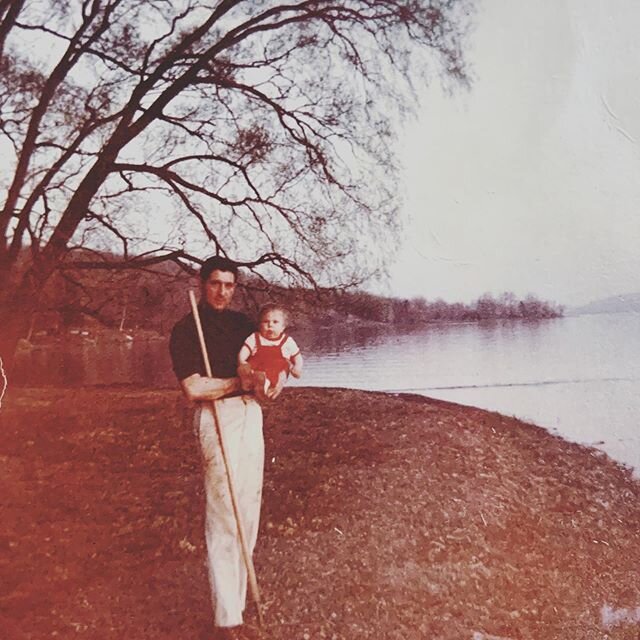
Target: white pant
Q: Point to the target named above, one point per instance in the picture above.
(241, 425)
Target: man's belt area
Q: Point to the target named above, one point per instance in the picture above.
(235, 394)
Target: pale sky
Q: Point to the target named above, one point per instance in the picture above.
(530, 181)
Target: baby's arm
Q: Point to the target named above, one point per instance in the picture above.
(245, 372)
(244, 354)
(296, 365)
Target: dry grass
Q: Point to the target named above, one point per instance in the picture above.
(384, 517)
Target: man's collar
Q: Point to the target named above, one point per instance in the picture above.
(207, 311)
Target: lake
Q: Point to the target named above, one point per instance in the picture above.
(577, 376)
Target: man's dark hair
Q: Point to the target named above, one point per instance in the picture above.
(218, 263)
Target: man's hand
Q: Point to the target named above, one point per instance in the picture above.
(260, 393)
(198, 388)
(245, 373)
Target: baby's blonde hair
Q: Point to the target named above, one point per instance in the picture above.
(273, 306)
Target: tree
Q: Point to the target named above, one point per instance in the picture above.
(167, 130)
(487, 307)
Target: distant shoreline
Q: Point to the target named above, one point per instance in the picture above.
(106, 335)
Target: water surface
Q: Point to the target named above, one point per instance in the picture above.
(577, 376)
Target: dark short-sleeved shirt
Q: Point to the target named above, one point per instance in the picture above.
(224, 334)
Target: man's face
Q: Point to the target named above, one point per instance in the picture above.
(218, 289)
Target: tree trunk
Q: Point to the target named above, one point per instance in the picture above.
(17, 306)
(15, 322)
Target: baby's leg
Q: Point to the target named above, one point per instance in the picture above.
(278, 386)
(282, 378)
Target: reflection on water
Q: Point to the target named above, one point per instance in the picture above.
(578, 375)
(79, 362)
(341, 338)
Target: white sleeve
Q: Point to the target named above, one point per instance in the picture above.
(290, 348)
(250, 343)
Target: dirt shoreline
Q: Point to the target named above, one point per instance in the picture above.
(384, 517)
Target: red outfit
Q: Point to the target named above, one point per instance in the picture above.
(269, 358)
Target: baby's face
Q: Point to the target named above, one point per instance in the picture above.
(272, 324)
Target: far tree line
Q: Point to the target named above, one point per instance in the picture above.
(152, 300)
(420, 310)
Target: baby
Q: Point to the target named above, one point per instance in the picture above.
(269, 355)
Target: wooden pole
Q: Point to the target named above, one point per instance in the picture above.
(253, 582)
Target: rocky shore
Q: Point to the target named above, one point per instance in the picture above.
(386, 517)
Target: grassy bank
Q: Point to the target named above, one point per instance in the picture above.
(384, 517)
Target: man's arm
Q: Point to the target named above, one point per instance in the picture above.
(198, 388)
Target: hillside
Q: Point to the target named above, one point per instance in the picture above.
(628, 302)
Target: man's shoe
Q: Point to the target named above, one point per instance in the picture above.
(228, 633)
(241, 632)
(251, 633)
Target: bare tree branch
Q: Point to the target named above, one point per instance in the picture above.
(262, 131)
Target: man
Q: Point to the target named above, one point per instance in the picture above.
(240, 419)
